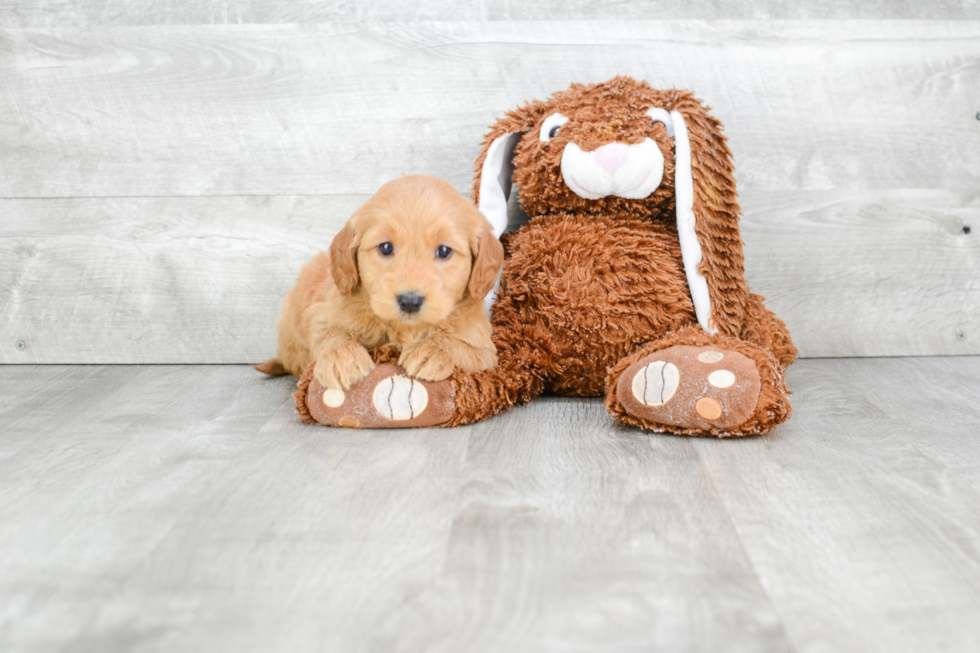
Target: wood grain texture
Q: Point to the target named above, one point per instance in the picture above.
(341, 108)
(200, 280)
(151, 280)
(311, 538)
(617, 537)
(874, 485)
(163, 508)
(880, 273)
(62, 13)
(96, 467)
(165, 183)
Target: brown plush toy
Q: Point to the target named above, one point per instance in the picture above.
(628, 282)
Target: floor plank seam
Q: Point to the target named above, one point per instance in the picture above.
(748, 559)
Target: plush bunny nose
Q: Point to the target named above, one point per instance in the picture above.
(612, 156)
(410, 302)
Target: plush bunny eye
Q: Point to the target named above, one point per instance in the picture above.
(657, 114)
(386, 249)
(443, 252)
(551, 126)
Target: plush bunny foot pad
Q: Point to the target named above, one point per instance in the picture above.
(691, 387)
(385, 398)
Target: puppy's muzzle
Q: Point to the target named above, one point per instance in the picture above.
(410, 302)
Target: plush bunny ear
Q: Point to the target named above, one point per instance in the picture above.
(684, 199)
(494, 168)
(495, 181)
(491, 190)
(707, 216)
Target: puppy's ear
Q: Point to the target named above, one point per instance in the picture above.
(486, 263)
(343, 258)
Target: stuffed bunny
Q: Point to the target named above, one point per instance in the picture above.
(627, 283)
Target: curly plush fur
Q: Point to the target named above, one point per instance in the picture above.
(591, 287)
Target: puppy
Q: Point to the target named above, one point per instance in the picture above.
(410, 269)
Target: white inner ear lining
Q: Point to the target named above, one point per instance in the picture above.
(495, 181)
(684, 198)
(494, 189)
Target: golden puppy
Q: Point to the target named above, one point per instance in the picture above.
(410, 269)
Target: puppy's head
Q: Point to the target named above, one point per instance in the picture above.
(416, 248)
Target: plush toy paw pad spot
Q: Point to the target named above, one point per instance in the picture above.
(708, 408)
(399, 397)
(710, 356)
(333, 398)
(721, 379)
(385, 398)
(691, 387)
(655, 383)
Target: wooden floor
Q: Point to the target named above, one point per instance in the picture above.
(186, 508)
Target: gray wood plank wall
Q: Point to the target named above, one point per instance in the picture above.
(62, 13)
(163, 179)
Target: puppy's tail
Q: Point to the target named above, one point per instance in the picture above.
(272, 367)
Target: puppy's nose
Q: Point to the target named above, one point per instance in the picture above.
(410, 302)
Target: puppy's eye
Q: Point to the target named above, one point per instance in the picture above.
(551, 126)
(443, 252)
(386, 249)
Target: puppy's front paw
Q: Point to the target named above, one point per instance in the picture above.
(427, 360)
(341, 367)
